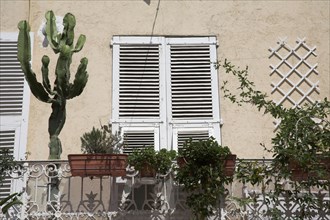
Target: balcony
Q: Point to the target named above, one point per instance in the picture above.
(50, 192)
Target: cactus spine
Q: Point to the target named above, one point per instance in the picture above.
(62, 44)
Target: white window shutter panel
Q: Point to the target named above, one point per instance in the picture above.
(139, 93)
(136, 138)
(181, 135)
(7, 142)
(191, 89)
(11, 80)
(14, 105)
(14, 93)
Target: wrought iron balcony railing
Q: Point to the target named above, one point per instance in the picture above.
(50, 192)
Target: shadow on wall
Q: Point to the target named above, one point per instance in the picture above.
(147, 2)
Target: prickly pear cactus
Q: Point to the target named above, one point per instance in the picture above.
(62, 44)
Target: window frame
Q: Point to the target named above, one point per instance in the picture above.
(166, 124)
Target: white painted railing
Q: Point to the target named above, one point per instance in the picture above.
(50, 192)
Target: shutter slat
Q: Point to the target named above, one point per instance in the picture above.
(190, 75)
(191, 82)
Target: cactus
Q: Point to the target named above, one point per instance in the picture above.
(62, 44)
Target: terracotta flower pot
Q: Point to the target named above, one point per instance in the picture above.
(98, 164)
(181, 161)
(299, 174)
(147, 171)
(229, 164)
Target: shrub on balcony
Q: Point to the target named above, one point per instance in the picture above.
(150, 162)
(204, 175)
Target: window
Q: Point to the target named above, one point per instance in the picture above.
(14, 104)
(165, 90)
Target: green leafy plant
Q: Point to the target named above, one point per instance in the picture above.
(253, 172)
(157, 162)
(62, 44)
(164, 160)
(203, 175)
(7, 163)
(302, 137)
(304, 132)
(101, 141)
(10, 201)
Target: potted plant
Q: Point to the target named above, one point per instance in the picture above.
(150, 162)
(316, 167)
(229, 162)
(302, 142)
(101, 156)
(204, 174)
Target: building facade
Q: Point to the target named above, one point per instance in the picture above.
(151, 72)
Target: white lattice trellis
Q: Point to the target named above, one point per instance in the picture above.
(295, 74)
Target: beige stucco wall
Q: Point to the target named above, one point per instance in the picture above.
(245, 31)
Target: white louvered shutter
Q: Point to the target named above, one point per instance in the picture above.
(139, 81)
(193, 99)
(14, 105)
(7, 141)
(137, 94)
(194, 135)
(191, 92)
(11, 80)
(139, 138)
(181, 135)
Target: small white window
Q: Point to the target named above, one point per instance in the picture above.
(168, 83)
